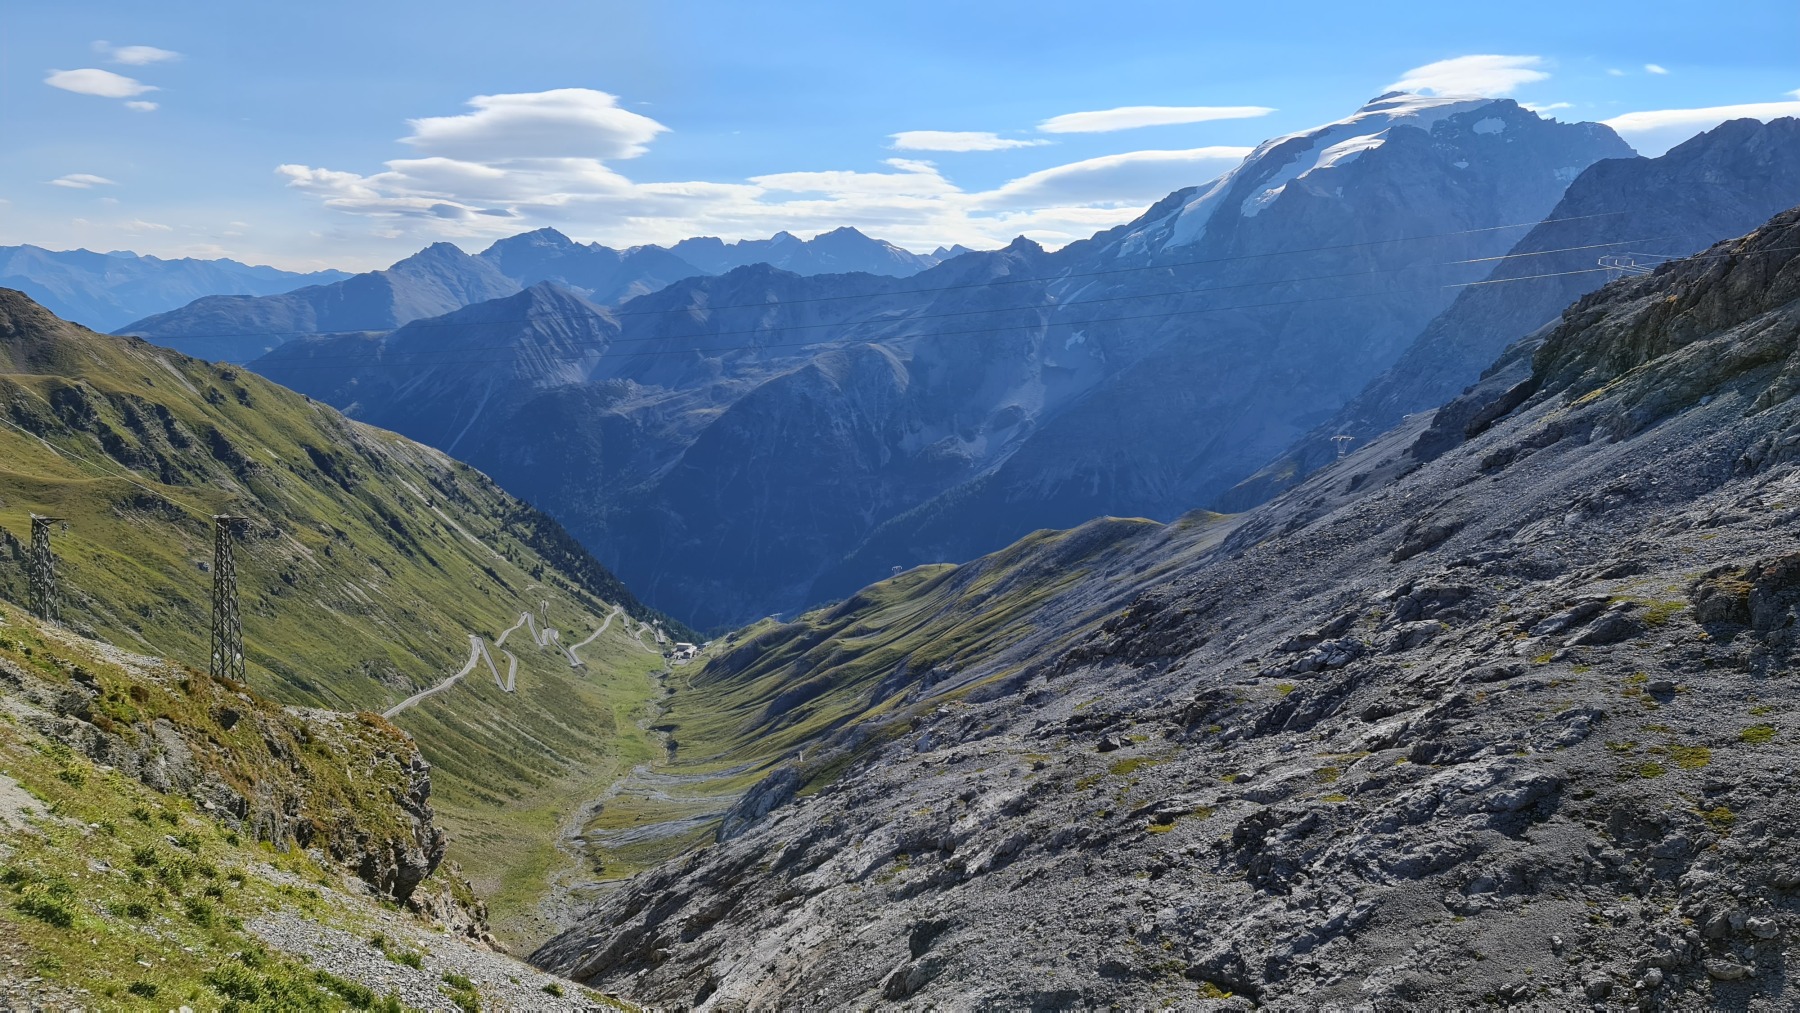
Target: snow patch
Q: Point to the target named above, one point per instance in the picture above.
(1254, 203)
(1491, 125)
(1464, 164)
(1345, 152)
(1077, 338)
(1329, 145)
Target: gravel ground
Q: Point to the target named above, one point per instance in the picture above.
(504, 983)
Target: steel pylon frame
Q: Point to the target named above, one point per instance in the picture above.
(46, 590)
(227, 658)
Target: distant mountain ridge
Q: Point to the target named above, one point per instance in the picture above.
(758, 441)
(107, 290)
(840, 251)
(442, 278)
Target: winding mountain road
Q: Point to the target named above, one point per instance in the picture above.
(575, 659)
(478, 652)
(475, 654)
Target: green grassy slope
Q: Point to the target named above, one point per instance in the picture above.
(368, 557)
(137, 896)
(367, 563)
(117, 896)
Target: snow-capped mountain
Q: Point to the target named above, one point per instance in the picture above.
(1638, 211)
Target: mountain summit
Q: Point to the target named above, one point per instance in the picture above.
(785, 439)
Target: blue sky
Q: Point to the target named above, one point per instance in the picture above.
(348, 135)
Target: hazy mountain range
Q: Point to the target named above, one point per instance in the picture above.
(107, 290)
(442, 278)
(757, 441)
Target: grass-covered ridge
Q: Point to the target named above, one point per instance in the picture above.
(368, 558)
(366, 565)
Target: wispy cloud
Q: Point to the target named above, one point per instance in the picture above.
(134, 56)
(1133, 178)
(1486, 75)
(1547, 107)
(957, 140)
(82, 181)
(1655, 68)
(138, 105)
(97, 82)
(1655, 131)
(1101, 121)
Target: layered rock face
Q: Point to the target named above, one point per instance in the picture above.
(1488, 714)
(758, 442)
(349, 786)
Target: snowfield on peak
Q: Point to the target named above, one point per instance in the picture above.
(1281, 160)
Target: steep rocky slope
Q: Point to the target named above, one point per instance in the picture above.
(1643, 210)
(1488, 714)
(760, 441)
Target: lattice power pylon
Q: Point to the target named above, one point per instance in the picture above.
(227, 627)
(1343, 443)
(46, 593)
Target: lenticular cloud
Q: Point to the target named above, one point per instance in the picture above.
(561, 123)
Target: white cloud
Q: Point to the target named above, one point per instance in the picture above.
(561, 123)
(1614, 72)
(1546, 108)
(1132, 178)
(1655, 131)
(915, 179)
(141, 106)
(100, 83)
(135, 56)
(139, 225)
(957, 140)
(1102, 121)
(1485, 75)
(82, 181)
(481, 180)
(1655, 68)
